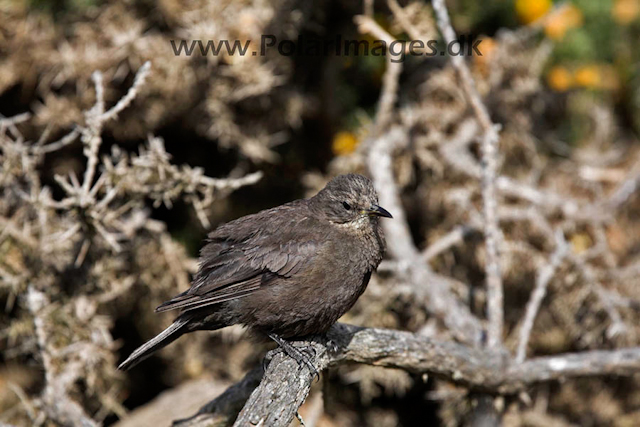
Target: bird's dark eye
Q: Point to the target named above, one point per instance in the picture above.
(346, 205)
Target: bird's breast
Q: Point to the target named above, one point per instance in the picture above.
(328, 285)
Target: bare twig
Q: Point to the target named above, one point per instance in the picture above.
(380, 166)
(96, 117)
(58, 404)
(367, 25)
(542, 280)
(368, 8)
(456, 150)
(57, 145)
(141, 77)
(617, 324)
(440, 299)
(402, 18)
(452, 238)
(14, 120)
(489, 157)
(626, 189)
(568, 206)
(388, 95)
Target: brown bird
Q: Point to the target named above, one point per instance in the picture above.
(286, 272)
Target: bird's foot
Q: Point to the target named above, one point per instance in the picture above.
(300, 355)
(303, 356)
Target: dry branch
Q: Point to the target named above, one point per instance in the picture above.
(439, 298)
(286, 385)
(489, 156)
(389, 92)
(542, 280)
(55, 397)
(452, 238)
(379, 149)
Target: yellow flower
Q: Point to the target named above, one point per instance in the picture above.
(594, 76)
(559, 79)
(562, 20)
(625, 11)
(588, 76)
(344, 143)
(529, 11)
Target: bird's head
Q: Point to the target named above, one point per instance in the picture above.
(348, 198)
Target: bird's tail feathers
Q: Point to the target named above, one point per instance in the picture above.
(164, 338)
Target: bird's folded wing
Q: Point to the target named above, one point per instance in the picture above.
(235, 270)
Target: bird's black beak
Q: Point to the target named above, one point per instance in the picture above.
(376, 210)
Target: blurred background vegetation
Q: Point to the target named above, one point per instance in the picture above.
(561, 77)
